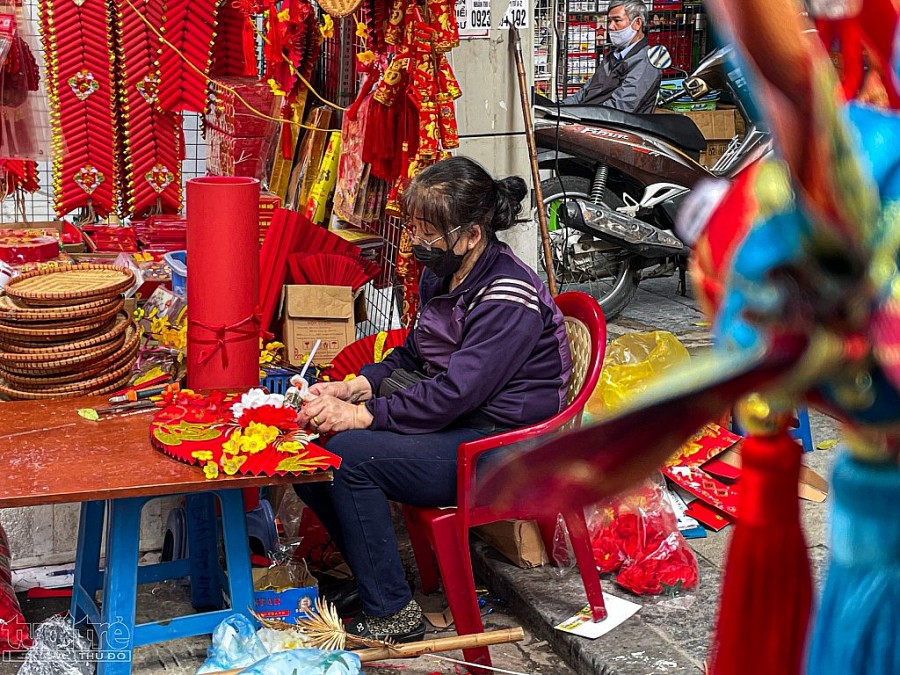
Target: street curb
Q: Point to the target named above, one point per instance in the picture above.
(655, 640)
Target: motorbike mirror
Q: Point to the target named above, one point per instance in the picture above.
(659, 57)
(696, 87)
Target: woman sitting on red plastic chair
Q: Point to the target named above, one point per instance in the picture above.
(488, 353)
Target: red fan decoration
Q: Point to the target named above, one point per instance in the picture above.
(77, 40)
(370, 349)
(279, 242)
(292, 232)
(152, 138)
(329, 269)
(190, 26)
(251, 434)
(316, 239)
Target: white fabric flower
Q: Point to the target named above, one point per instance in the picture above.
(256, 398)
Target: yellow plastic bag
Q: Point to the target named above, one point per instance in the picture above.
(632, 361)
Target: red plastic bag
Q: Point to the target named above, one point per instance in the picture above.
(13, 629)
(637, 536)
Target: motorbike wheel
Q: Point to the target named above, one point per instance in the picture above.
(610, 275)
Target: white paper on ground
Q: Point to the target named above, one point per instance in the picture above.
(618, 611)
(679, 505)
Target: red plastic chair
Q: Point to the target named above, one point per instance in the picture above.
(442, 534)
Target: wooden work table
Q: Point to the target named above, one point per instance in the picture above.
(49, 454)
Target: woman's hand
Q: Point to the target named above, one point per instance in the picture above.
(328, 414)
(355, 390)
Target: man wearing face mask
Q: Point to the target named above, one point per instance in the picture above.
(625, 80)
(488, 353)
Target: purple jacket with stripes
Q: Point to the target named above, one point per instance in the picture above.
(495, 346)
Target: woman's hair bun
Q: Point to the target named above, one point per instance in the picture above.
(514, 187)
(510, 193)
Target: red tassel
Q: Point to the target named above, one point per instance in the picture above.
(767, 590)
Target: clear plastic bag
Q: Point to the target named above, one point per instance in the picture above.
(24, 113)
(58, 649)
(636, 535)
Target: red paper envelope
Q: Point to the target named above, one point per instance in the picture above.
(687, 468)
(708, 516)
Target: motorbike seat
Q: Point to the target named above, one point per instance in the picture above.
(679, 130)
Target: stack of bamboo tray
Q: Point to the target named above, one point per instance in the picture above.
(63, 332)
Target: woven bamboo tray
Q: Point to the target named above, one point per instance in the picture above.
(15, 312)
(108, 313)
(70, 284)
(17, 395)
(37, 359)
(29, 337)
(102, 380)
(86, 358)
(78, 374)
(119, 325)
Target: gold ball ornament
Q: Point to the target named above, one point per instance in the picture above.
(765, 415)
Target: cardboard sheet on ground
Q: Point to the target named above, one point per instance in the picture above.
(581, 624)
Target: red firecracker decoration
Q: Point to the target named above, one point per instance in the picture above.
(190, 26)
(77, 41)
(151, 138)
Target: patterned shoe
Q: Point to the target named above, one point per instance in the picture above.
(403, 626)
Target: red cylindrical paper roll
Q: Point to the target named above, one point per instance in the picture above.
(223, 282)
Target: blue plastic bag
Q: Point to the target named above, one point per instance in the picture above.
(234, 645)
(307, 662)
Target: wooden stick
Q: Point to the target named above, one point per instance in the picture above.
(414, 649)
(532, 154)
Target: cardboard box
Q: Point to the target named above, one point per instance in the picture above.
(518, 540)
(311, 313)
(714, 150)
(717, 125)
(277, 596)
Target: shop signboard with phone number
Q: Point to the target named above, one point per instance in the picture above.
(474, 17)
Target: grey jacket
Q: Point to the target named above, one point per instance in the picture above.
(630, 84)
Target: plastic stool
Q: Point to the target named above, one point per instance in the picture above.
(261, 532)
(114, 620)
(801, 432)
(261, 528)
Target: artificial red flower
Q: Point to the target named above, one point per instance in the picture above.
(283, 418)
(607, 551)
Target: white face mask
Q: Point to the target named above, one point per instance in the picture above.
(622, 37)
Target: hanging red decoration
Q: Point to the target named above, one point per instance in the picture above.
(77, 39)
(190, 26)
(151, 137)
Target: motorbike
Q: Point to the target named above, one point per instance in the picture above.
(618, 179)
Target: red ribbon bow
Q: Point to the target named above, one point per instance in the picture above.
(244, 329)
